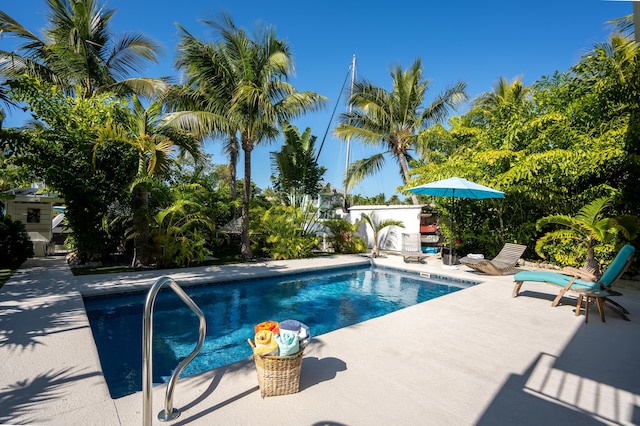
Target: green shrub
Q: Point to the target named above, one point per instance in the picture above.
(15, 245)
(285, 235)
(342, 237)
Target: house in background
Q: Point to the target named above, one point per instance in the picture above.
(35, 208)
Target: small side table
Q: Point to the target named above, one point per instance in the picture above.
(590, 296)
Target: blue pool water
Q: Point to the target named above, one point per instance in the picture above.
(324, 301)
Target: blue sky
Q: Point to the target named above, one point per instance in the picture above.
(476, 42)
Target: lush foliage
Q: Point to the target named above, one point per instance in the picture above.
(60, 151)
(79, 53)
(179, 235)
(342, 236)
(15, 245)
(552, 148)
(584, 232)
(286, 233)
(296, 173)
(252, 73)
(156, 147)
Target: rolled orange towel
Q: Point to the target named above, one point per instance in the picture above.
(268, 325)
(265, 343)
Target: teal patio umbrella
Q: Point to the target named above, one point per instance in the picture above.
(456, 187)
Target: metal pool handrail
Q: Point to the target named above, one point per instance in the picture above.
(169, 412)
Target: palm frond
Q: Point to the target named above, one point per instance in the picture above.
(360, 169)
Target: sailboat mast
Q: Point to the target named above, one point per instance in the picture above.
(353, 77)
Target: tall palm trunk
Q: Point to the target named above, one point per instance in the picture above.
(233, 166)
(140, 204)
(245, 247)
(402, 159)
(140, 225)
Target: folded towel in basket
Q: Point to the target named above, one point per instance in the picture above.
(295, 326)
(288, 343)
(272, 326)
(265, 343)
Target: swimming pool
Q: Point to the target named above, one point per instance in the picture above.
(325, 301)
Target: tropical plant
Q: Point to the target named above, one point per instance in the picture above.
(59, 150)
(588, 229)
(15, 245)
(258, 69)
(565, 144)
(295, 169)
(202, 103)
(286, 235)
(342, 236)
(393, 120)
(504, 93)
(378, 225)
(177, 238)
(155, 147)
(78, 52)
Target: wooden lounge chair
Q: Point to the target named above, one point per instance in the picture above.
(411, 248)
(502, 264)
(577, 281)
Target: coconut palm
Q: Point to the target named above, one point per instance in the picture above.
(155, 146)
(377, 226)
(78, 51)
(393, 120)
(205, 97)
(588, 228)
(504, 93)
(255, 71)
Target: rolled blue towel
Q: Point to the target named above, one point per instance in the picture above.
(288, 343)
(296, 326)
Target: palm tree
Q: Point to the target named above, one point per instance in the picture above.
(255, 71)
(504, 93)
(295, 169)
(78, 51)
(588, 228)
(377, 226)
(205, 97)
(155, 146)
(393, 120)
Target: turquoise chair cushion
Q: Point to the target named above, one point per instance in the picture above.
(614, 270)
(609, 276)
(554, 278)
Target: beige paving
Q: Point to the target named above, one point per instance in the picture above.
(474, 357)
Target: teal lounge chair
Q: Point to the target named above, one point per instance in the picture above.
(573, 282)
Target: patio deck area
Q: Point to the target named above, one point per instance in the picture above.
(474, 357)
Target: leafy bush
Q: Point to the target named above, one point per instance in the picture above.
(341, 237)
(15, 245)
(178, 237)
(285, 234)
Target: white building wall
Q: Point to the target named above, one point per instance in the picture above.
(389, 238)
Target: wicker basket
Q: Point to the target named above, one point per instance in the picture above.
(278, 375)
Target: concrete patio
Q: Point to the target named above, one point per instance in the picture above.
(474, 357)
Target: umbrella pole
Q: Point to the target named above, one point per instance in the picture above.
(453, 200)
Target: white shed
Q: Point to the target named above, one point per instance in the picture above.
(35, 209)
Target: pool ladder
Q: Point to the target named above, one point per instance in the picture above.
(169, 412)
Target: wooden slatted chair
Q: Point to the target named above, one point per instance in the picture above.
(504, 263)
(411, 248)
